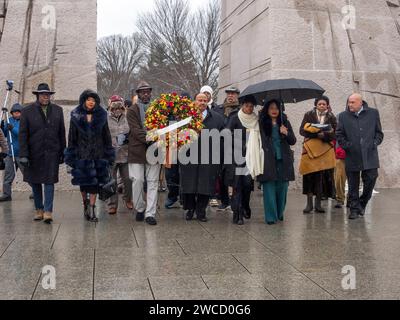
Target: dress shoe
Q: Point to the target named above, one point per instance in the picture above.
(5, 199)
(48, 217)
(38, 215)
(151, 221)
(271, 223)
(339, 205)
(189, 215)
(353, 215)
(140, 217)
(202, 219)
(129, 205)
(247, 214)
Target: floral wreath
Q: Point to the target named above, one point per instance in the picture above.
(169, 108)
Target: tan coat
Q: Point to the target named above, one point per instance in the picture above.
(117, 127)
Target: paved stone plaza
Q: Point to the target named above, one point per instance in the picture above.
(122, 259)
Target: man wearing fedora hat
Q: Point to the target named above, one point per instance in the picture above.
(139, 168)
(42, 144)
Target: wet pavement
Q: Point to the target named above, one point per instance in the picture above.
(119, 258)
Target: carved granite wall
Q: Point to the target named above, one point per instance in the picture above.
(272, 39)
(48, 41)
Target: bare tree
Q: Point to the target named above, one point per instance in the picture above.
(182, 48)
(118, 62)
(205, 37)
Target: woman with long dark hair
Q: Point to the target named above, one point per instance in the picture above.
(318, 159)
(277, 136)
(90, 152)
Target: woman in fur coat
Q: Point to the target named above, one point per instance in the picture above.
(90, 153)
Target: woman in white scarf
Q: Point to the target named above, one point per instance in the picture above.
(254, 153)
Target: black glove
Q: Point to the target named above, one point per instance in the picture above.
(24, 162)
(10, 127)
(3, 155)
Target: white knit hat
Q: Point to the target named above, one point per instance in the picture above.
(207, 89)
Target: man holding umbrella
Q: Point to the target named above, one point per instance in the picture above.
(42, 143)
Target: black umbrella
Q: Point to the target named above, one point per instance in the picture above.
(285, 90)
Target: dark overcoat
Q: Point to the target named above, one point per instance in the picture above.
(201, 178)
(360, 136)
(270, 162)
(138, 144)
(42, 141)
(90, 151)
(239, 142)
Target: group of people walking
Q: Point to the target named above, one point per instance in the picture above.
(112, 143)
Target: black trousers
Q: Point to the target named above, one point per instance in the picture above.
(172, 177)
(242, 189)
(196, 202)
(224, 190)
(359, 203)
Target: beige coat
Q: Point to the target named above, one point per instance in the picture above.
(117, 127)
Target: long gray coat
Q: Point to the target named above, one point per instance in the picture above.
(201, 178)
(42, 140)
(360, 137)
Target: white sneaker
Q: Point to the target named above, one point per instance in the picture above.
(214, 203)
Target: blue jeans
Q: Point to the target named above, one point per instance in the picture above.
(48, 197)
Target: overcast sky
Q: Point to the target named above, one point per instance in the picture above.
(119, 16)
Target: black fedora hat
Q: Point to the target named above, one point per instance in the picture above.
(43, 88)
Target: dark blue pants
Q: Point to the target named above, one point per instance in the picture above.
(37, 189)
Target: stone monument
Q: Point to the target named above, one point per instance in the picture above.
(344, 46)
(48, 41)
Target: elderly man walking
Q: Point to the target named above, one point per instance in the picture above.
(139, 168)
(198, 179)
(42, 143)
(360, 133)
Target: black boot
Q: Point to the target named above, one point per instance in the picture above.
(189, 215)
(318, 207)
(240, 218)
(86, 209)
(310, 205)
(235, 217)
(247, 213)
(93, 217)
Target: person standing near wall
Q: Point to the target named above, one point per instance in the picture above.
(360, 134)
(42, 143)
